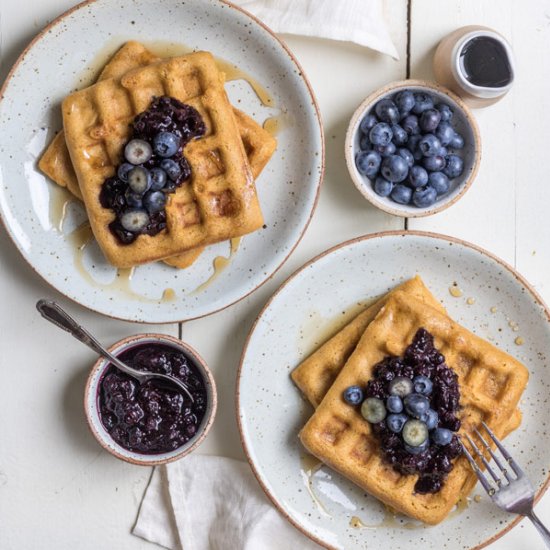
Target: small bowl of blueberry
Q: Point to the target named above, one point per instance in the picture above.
(413, 148)
(148, 423)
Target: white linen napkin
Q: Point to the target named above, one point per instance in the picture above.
(359, 21)
(213, 503)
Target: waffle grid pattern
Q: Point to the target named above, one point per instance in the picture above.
(338, 435)
(220, 200)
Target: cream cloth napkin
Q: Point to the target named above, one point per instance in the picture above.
(359, 21)
(213, 503)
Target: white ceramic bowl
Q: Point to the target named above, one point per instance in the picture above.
(91, 398)
(464, 123)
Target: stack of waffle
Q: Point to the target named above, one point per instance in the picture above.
(491, 383)
(219, 201)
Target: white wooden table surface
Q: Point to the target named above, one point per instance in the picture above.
(57, 488)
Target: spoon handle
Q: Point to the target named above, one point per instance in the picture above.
(58, 316)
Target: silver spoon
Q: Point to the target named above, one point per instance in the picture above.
(51, 311)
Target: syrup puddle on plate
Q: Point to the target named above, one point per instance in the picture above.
(60, 200)
(80, 238)
(309, 465)
(220, 263)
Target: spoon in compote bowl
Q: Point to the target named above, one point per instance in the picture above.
(51, 311)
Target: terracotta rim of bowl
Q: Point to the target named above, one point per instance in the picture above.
(350, 135)
(205, 371)
(397, 233)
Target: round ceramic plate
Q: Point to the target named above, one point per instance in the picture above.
(492, 300)
(42, 220)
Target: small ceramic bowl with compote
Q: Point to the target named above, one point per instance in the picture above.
(413, 148)
(150, 424)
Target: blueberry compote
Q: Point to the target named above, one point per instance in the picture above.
(153, 167)
(146, 418)
(421, 359)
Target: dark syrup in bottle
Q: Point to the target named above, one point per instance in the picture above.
(484, 62)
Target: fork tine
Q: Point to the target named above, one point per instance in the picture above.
(483, 480)
(494, 456)
(515, 466)
(497, 479)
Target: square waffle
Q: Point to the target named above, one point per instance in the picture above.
(219, 201)
(491, 383)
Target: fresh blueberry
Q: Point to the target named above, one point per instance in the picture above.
(430, 418)
(418, 449)
(166, 144)
(385, 150)
(364, 143)
(373, 410)
(154, 201)
(353, 395)
(400, 386)
(368, 163)
(394, 404)
(422, 102)
(441, 436)
(440, 182)
(416, 405)
(445, 133)
(418, 177)
(395, 168)
(382, 187)
(387, 111)
(443, 152)
(457, 142)
(395, 422)
(123, 170)
(407, 155)
(455, 166)
(410, 125)
(404, 101)
(380, 134)
(429, 145)
(134, 220)
(133, 199)
(138, 151)
(172, 168)
(422, 385)
(424, 196)
(158, 179)
(367, 123)
(415, 433)
(139, 180)
(400, 137)
(429, 120)
(446, 112)
(401, 194)
(434, 164)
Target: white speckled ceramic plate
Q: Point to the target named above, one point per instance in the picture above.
(69, 55)
(495, 302)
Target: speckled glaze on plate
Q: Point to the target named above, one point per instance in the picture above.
(68, 55)
(479, 291)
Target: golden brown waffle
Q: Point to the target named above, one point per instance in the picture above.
(218, 203)
(315, 375)
(56, 163)
(491, 383)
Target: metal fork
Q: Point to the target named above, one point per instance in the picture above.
(516, 494)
